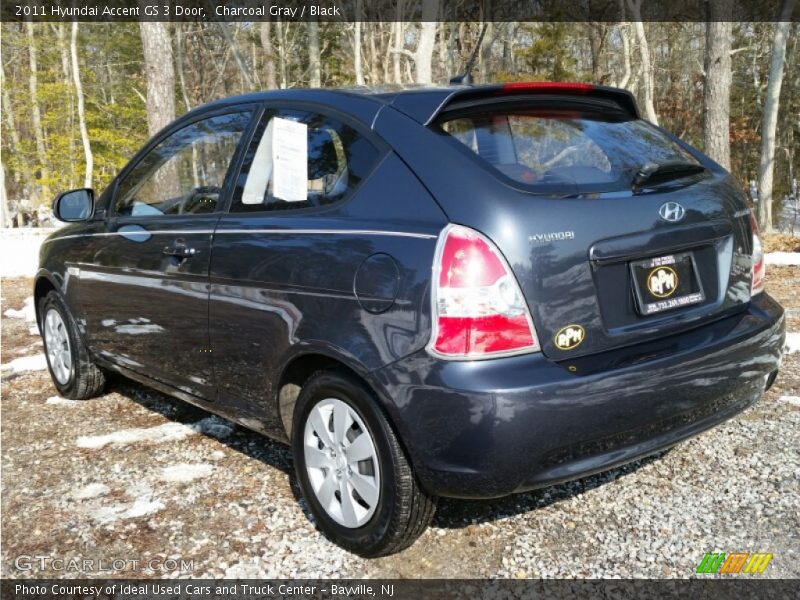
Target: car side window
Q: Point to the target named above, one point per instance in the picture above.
(185, 173)
(300, 159)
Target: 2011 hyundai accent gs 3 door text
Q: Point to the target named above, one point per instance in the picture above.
(464, 291)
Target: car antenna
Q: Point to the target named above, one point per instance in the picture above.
(466, 78)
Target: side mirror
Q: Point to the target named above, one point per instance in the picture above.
(74, 205)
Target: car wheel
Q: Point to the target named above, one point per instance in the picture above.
(72, 369)
(353, 473)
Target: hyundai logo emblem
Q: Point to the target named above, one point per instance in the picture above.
(672, 212)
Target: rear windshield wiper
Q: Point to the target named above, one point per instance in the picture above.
(655, 173)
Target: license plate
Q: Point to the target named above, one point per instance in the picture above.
(666, 283)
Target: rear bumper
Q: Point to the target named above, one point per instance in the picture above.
(490, 428)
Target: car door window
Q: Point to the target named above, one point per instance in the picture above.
(185, 173)
(301, 159)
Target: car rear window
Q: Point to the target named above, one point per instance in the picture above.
(555, 148)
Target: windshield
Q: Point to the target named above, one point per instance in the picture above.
(556, 148)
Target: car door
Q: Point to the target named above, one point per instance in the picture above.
(283, 252)
(145, 291)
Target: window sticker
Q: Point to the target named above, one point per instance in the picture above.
(255, 188)
(289, 160)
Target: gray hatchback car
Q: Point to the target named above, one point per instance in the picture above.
(465, 291)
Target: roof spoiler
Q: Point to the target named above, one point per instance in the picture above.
(427, 105)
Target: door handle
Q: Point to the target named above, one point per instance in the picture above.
(179, 250)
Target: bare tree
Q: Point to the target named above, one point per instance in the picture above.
(624, 34)
(36, 115)
(770, 117)
(357, 44)
(76, 78)
(237, 55)
(635, 7)
(397, 41)
(4, 212)
(314, 64)
(269, 58)
(427, 36)
(717, 87)
(157, 51)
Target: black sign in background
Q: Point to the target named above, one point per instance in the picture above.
(385, 10)
(741, 587)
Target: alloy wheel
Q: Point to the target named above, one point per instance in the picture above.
(59, 354)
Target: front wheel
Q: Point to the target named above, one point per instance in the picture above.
(352, 471)
(72, 369)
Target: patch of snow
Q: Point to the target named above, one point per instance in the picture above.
(59, 401)
(27, 312)
(93, 490)
(793, 400)
(168, 432)
(143, 508)
(184, 472)
(782, 258)
(33, 330)
(143, 504)
(792, 343)
(217, 455)
(37, 362)
(19, 250)
(108, 322)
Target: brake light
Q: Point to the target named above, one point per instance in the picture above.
(547, 86)
(759, 268)
(478, 308)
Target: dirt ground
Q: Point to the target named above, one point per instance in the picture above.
(188, 487)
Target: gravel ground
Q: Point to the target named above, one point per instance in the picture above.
(135, 475)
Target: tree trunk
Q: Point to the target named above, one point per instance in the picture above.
(624, 34)
(240, 62)
(486, 53)
(8, 112)
(635, 7)
(717, 88)
(61, 35)
(36, 118)
(770, 117)
(427, 36)
(157, 51)
(76, 78)
(398, 44)
(314, 65)
(269, 58)
(179, 65)
(357, 44)
(5, 220)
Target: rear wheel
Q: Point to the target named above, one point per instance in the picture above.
(352, 471)
(72, 369)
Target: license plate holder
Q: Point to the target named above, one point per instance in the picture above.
(666, 283)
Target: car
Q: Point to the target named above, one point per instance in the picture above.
(464, 291)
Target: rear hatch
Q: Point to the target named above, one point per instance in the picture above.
(616, 231)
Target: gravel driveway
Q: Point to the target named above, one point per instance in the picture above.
(138, 476)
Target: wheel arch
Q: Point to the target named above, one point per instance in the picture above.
(299, 368)
(44, 283)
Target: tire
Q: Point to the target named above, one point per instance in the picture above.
(81, 379)
(402, 511)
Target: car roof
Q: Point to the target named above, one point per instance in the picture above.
(421, 102)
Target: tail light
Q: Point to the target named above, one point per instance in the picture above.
(759, 268)
(478, 308)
